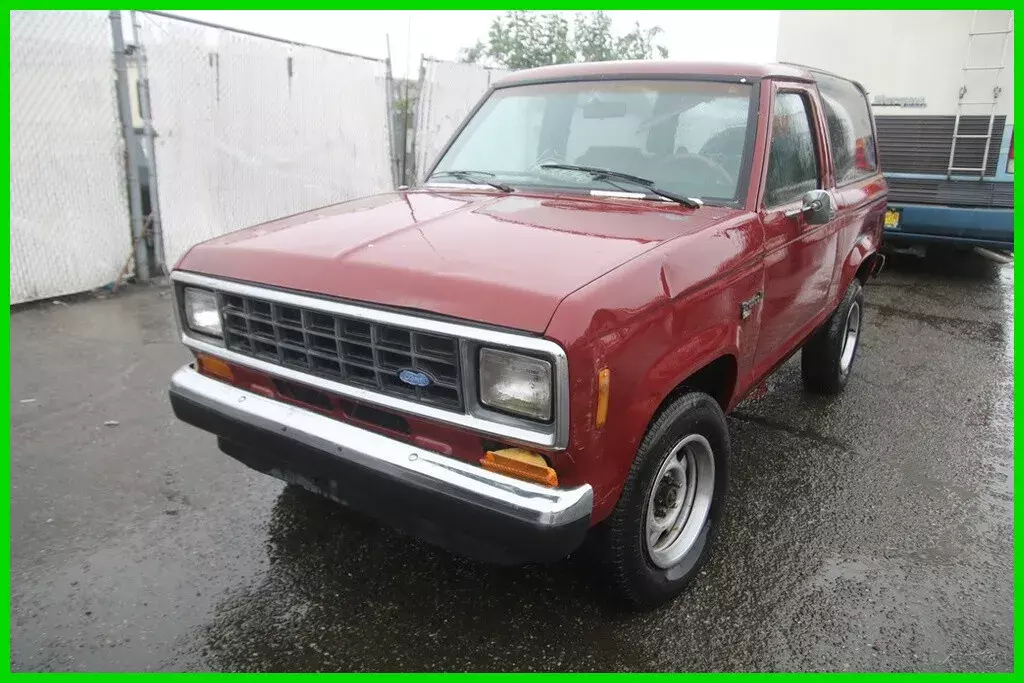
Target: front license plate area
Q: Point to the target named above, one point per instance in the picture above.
(892, 219)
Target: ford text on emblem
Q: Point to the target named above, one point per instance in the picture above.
(416, 379)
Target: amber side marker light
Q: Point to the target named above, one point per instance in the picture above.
(604, 380)
(521, 464)
(214, 367)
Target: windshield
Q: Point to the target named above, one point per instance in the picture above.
(689, 137)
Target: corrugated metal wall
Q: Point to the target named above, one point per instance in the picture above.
(69, 211)
(251, 129)
(448, 91)
(921, 144)
(985, 194)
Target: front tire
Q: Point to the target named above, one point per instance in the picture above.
(826, 359)
(661, 531)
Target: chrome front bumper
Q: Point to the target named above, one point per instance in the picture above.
(447, 501)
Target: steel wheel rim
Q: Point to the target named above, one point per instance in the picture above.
(679, 502)
(850, 338)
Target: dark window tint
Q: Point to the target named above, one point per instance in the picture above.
(849, 129)
(792, 162)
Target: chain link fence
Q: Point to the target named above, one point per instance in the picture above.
(229, 129)
(69, 210)
(249, 129)
(244, 129)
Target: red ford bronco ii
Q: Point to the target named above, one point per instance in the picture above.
(542, 341)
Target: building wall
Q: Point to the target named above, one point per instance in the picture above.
(905, 54)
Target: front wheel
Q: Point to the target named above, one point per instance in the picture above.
(660, 533)
(827, 357)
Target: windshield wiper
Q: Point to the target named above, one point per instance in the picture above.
(606, 175)
(483, 177)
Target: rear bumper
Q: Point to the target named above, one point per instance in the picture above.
(965, 226)
(445, 501)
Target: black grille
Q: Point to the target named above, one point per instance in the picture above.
(969, 193)
(921, 144)
(361, 353)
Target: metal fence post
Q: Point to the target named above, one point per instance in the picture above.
(149, 140)
(389, 89)
(419, 123)
(134, 190)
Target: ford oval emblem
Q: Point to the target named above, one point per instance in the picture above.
(414, 377)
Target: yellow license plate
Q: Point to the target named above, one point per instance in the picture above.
(892, 219)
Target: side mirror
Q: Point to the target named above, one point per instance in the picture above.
(818, 207)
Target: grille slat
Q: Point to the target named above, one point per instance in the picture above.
(352, 351)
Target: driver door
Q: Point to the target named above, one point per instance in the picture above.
(799, 257)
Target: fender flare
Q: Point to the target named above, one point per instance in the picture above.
(673, 369)
(864, 254)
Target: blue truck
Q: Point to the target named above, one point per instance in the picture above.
(931, 201)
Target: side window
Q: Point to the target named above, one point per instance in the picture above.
(792, 161)
(849, 129)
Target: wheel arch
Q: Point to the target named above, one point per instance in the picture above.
(869, 266)
(861, 263)
(716, 378)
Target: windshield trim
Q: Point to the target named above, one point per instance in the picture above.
(746, 163)
(704, 78)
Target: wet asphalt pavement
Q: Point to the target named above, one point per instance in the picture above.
(868, 532)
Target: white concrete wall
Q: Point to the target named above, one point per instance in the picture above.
(905, 54)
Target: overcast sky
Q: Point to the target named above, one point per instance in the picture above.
(697, 35)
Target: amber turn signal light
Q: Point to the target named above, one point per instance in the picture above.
(214, 367)
(604, 380)
(521, 464)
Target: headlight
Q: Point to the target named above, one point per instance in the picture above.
(201, 314)
(515, 383)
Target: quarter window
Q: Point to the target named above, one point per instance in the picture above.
(792, 161)
(851, 136)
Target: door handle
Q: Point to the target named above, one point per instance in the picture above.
(813, 206)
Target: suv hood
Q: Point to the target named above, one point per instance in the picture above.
(502, 259)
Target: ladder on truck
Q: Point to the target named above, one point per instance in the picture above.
(963, 105)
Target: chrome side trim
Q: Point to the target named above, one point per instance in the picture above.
(554, 435)
(524, 500)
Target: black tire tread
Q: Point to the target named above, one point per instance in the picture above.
(819, 358)
(616, 554)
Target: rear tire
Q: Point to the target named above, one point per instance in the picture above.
(826, 359)
(670, 508)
